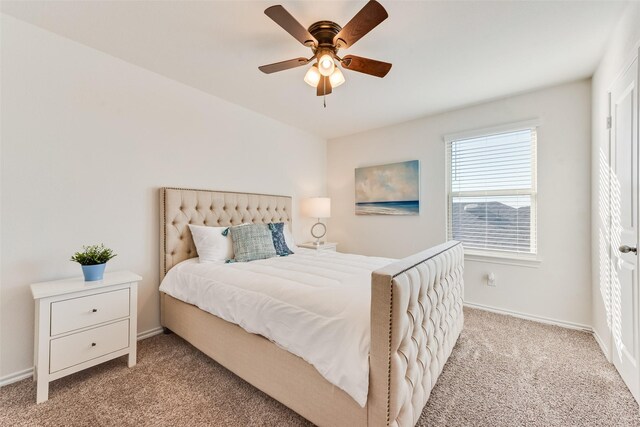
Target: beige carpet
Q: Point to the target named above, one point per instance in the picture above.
(503, 372)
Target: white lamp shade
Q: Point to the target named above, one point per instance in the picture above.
(316, 207)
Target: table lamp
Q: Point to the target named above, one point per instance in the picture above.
(317, 207)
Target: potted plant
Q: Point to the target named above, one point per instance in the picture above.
(93, 260)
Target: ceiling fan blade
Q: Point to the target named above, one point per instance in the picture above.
(366, 20)
(324, 87)
(284, 65)
(283, 18)
(366, 65)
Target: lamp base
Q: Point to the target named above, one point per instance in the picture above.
(316, 235)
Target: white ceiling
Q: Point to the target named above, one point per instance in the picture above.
(445, 54)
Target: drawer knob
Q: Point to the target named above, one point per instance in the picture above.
(94, 310)
(93, 344)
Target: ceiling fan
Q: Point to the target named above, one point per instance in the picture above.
(325, 38)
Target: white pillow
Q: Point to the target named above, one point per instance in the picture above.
(288, 238)
(211, 244)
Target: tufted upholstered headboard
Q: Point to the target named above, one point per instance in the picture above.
(180, 207)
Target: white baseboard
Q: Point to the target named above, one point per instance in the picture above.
(15, 377)
(28, 373)
(603, 346)
(540, 319)
(150, 333)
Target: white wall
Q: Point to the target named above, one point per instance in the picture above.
(87, 139)
(620, 51)
(559, 288)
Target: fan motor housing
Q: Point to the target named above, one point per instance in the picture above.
(324, 32)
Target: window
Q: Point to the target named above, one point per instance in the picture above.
(492, 191)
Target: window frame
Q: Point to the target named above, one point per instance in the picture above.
(477, 254)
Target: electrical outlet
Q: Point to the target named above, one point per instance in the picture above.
(491, 280)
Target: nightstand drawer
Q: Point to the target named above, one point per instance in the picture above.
(86, 311)
(83, 346)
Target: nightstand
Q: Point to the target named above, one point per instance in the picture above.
(327, 246)
(80, 324)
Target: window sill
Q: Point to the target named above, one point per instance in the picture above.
(530, 261)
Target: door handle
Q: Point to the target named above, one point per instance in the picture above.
(626, 249)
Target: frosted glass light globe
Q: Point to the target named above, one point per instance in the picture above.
(312, 78)
(337, 78)
(326, 65)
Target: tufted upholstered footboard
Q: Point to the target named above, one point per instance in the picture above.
(416, 318)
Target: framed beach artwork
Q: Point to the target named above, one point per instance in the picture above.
(392, 189)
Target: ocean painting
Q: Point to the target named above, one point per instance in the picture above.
(392, 189)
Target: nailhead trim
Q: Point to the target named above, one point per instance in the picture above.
(389, 355)
(164, 231)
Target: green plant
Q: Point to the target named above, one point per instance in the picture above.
(93, 255)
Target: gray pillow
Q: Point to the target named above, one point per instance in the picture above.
(251, 242)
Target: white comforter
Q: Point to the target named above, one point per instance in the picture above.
(315, 305)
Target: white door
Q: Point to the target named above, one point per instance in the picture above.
(625, 298)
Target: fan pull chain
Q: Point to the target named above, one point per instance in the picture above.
(324, 92)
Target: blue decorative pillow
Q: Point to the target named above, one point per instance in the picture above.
(251, 242)
(277, 233)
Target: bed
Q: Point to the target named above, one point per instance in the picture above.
(415, 319)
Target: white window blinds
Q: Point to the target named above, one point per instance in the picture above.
(492, 191)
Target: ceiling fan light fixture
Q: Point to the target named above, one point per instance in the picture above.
(312, 78)
(336, 78)
(326, 65)
(325, 38)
